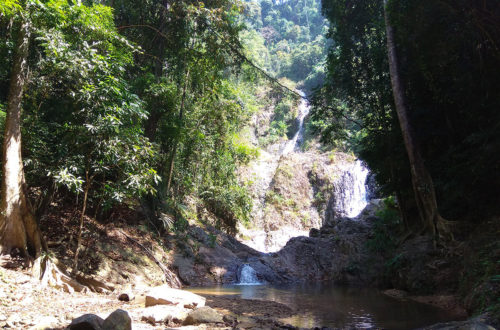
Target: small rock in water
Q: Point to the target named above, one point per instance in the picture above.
(203, 315)
(87, 322)
(118, 320)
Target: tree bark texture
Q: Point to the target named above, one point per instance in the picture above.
(423, 185)
(18, 227)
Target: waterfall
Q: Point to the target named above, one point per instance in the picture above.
(299, 135)
(350, 190)
(248, 276)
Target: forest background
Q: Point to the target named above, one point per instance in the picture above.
(141, 105)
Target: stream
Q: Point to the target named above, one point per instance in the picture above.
(320, 304)
(323, 305)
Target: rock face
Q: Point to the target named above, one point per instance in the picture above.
(337, 252)
(306, 189)
(164, 295)
(203, 315)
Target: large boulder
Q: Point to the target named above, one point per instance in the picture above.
(164, 295)
(203, 315)
(164, 314)
(87, 322)
(118, 320)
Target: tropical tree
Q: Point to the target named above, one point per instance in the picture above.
(18, 228)
(423, 186)
(418, 133)
(85, 124)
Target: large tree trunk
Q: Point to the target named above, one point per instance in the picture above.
(423, 186)
(18, 227)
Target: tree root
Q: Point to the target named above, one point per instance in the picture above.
(405, 237)
(170, 277)
(52, 273)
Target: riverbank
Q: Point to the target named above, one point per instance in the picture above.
(339, 252)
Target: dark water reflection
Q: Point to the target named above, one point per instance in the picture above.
(339, 307)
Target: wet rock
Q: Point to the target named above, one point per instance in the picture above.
(164, 314)
(395, 293)
(203, 315)
(87, 322)
(118, 320)
(164, 295)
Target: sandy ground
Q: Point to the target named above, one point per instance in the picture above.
(25, 304)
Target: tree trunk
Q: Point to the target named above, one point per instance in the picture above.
(88, 182)
(176, 142)
(18, 227)
(423, 186)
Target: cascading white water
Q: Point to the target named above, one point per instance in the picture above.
(248, 276)
(350, 190)
(297, 138)
(348, 199)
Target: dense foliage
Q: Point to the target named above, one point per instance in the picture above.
(293, 35)
(133, 103)
(448, 58)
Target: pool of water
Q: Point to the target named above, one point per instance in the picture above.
(338, 307)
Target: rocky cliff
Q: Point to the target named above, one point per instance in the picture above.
(306, 190)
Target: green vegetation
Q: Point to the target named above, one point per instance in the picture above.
(293, 32)
(385, 230)
(154, 106)
(144, 104)
(287, 40)
(135, 104)
(447, 77)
